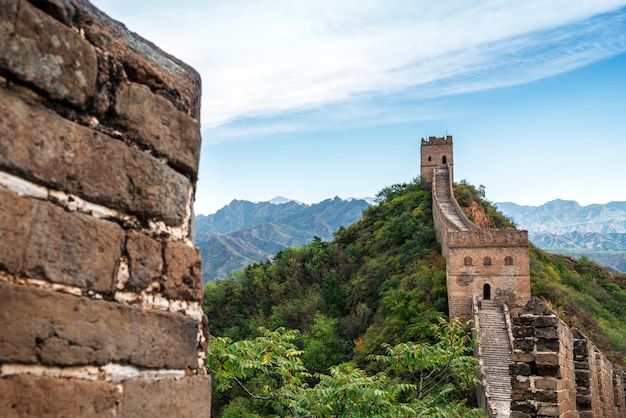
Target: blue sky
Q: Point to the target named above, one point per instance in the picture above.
(315, 99)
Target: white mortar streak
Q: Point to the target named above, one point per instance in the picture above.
(23, 187)
(123, 273)
(145, 300)
(111, 372)
(74, 203)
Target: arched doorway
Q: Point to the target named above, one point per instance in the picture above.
(486, 291)
(443, 160)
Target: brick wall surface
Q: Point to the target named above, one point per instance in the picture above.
(558, 372)
(100, 285)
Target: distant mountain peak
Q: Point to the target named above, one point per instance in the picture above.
(368, 199)
(279, 200)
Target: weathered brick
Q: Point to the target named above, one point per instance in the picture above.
(189, 397)
(583, 376)
(522, 406)
(41, 396)
(519, 385)
(523, 357)
(41, 240)
(15, 222)
(546, 321)
(521, 369)
(548, 410)
(546, 396)
(183, 270)
(548, 370)
(583, 400)
(548, 345)
(521, 331)
(153, 121)
(547, 383)
(143, 62)
(547, 359)
(62, 10)
(145, 260)
(523, 344)
(549, 333)
(53, 328)
(39, 50)
(520, 395)
(46, 148)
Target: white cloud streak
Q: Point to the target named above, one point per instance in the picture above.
(263, 58)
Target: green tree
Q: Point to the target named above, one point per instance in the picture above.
(269, 370)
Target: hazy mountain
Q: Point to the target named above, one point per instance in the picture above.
(244, 232)
(565, 227)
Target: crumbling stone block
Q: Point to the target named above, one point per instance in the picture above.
(547, 359)
(521, 369)
(143, 61)
(69, 330)
(549, 333)
(41, 396)
(43, 241)
(522, 331)
(37, 49)
(183, 270)
(190, 397)
(78, 160)
(153, 121)
(145, 260)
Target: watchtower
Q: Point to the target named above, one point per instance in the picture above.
(435, 152)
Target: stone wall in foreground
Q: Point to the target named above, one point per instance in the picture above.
(558, 372)
(100, 285)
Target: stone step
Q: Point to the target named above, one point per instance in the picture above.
(495, 356)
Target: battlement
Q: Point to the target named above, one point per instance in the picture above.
(433, 140)
(488, 238)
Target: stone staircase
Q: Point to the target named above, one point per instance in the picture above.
(495, 354)
(444, 197)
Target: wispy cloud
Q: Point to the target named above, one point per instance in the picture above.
(261, 59)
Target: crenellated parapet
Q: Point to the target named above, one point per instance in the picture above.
(434, 153)
(488, 238)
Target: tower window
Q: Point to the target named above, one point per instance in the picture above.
(486, 291)
(508, 261)
(430, 158)
(443, 160)
(487, 261)
(467, 261)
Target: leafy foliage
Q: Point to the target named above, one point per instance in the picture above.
(466, 194)
(270, 364)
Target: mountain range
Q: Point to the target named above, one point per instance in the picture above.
(244, 232)
(565, 227)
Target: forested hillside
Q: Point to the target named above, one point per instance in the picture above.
(382, 280)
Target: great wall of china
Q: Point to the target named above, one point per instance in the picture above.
(531, 364)
(100, 284)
